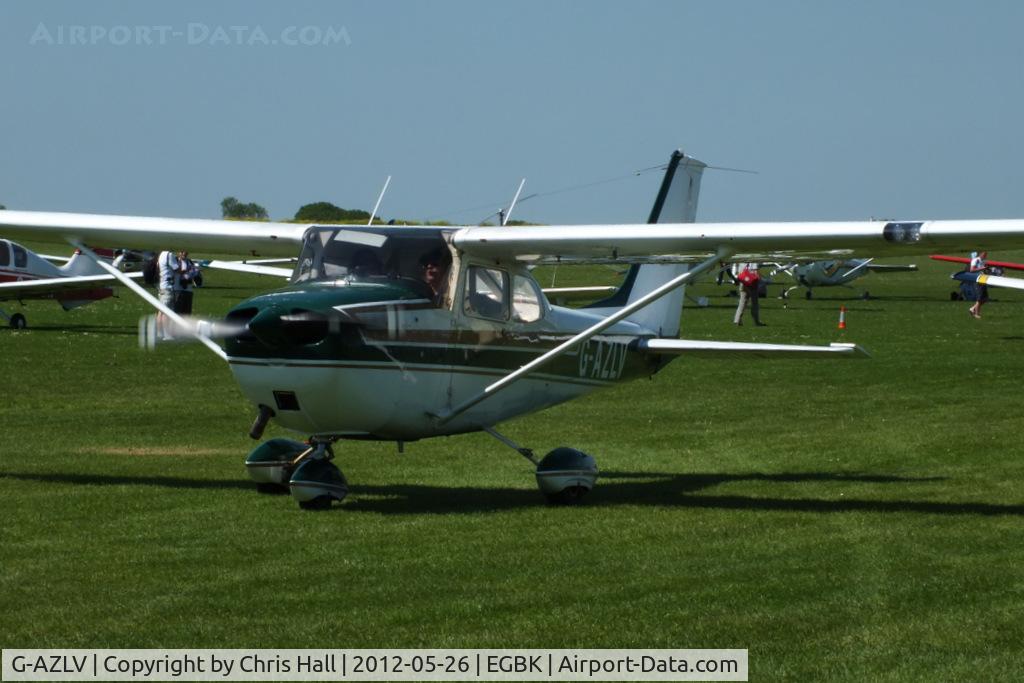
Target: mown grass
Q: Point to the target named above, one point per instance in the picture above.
(841, 520)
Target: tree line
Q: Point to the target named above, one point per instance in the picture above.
(319, 212)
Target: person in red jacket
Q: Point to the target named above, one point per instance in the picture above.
(750, 284)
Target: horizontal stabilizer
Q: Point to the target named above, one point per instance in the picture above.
(44, 287)
(992, 280)
(694, 347)
(883, 267)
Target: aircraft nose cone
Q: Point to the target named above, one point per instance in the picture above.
(266, 326)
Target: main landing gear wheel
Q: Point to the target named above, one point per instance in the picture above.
(18, 321)
(809, 295)
(565, 475)
(317, 482)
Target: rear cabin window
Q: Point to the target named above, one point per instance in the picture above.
(20, 257)
(5, 254)
(487, 293)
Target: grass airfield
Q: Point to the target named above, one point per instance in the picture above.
(842, 520)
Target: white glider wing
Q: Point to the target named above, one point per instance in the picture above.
(993, 280)
(144, 232)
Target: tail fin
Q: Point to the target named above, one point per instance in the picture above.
(676, 203)
(79, 264)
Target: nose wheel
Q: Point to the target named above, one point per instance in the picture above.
(303, 469)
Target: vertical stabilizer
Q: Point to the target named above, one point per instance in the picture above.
(79, 265)
(676, 202)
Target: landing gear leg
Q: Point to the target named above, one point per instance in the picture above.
(564, 475)
(785, 292)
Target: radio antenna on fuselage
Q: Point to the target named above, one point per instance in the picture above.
(380, 198)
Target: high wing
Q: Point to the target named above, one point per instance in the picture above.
(45, 288)
(643, 243)
(145, 232)
(740, 242)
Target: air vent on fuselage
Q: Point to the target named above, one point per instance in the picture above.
(286, 400)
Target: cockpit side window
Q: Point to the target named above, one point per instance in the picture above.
(5, 254)
(486, 293)
(20, 257)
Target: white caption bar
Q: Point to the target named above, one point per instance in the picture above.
(374, 665)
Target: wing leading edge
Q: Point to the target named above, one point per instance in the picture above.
(744, 241)
(147, 232)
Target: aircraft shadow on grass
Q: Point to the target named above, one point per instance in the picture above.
(91, 329)
(123, 480)
(657, 489)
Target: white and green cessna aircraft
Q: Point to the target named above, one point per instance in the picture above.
(404, 333)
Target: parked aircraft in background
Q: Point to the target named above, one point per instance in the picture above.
(405, 333)
(832, 273)
(1008, 265)
(27, 275)
(983, 278)
(990, 276)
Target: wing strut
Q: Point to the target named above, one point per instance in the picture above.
(149, 298)
(859, 266)
(583, 336)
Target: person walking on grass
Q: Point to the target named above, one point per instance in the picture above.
(978, 264)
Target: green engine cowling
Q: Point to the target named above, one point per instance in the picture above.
(270, 463)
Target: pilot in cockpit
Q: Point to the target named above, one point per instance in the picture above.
(435, 266)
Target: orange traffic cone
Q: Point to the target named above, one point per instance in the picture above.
(842, 317)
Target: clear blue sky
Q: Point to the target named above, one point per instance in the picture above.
(848, 110)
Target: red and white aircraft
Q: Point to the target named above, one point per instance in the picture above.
(27, 275)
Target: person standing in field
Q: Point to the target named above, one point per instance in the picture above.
(168, 281)
(750, 285)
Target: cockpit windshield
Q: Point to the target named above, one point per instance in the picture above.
(374, 255)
